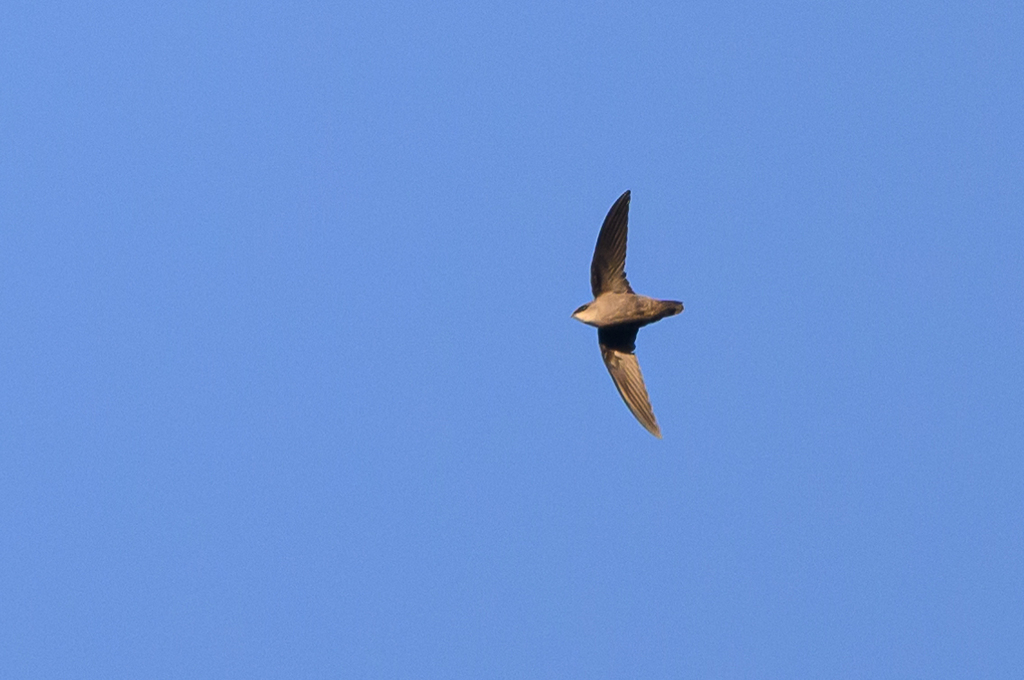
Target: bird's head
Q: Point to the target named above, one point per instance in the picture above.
(584, 313)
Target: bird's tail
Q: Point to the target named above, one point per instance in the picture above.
(669, 308)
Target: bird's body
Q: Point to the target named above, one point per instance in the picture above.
(614, 309)
(618, 313)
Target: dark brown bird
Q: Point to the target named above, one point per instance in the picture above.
(618, 313)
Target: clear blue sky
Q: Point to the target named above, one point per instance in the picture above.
(290, 387)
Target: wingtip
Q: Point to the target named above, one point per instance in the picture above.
(622, 200)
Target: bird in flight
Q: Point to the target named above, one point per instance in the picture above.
(618, 313)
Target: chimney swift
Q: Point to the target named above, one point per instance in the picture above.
(618, 313)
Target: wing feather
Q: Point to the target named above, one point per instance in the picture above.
(608, 268)
(617, 345)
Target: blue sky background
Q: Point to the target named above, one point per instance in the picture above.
(290, 387)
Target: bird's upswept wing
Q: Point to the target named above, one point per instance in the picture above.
(608, 268)
(617, 346)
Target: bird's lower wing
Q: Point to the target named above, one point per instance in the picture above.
(625, 371)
